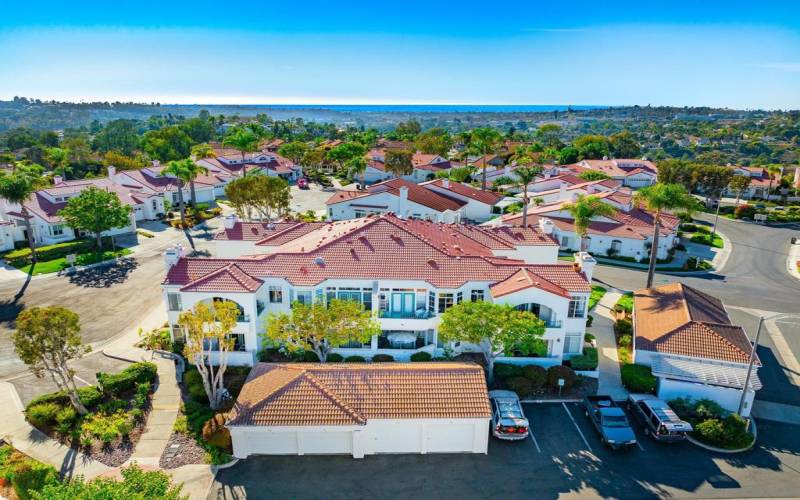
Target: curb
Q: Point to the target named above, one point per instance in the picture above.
(540, 401)
(723, 450)
(217, 468)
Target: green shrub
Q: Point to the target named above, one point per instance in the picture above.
(623, 327)
(193, 382)
(638, 378)
(382, 358)
(625, 341)
(625, 303)
(743, 211)
(421, 356)
(136, 414)
(112, 406)
(707, 408)
(588, 361)
(507, 370)
(51, 252)
(196, 415)
(561, 372)
(181, 425)
(43, 414)
(589, 320)
(355, 359)
(536, 374)
(310, 357)
(66, 416)
(124, 381)
(521, 385)
(335, 357)
(90, 396)
(30, 476)
(107, 428)
(710, 431)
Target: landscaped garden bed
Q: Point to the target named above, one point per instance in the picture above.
(53, 258)
(697, 233)
(118, 409)
(19, 474)
(597, 294)
(713, 425)
(536, 382)
(193, 216)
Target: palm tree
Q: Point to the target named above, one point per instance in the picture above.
(199, 152)
(659, 198)
(772, 170)
(182, 171)
(244, 141)
(524, 176)
(583, 210)
(484, 141)
(16, 189)
(58, 159)
(358, 166)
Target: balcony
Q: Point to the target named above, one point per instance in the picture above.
(243, 318)
(548, 323)
(418, 314)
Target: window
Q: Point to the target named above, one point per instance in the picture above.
(445, 301)
(155, 205)
(275, 295)
(238, 341)
(57, 230)
(577, 307)
(304, 297)
(565, 243)
(573, 343)
(174, 300)
(476, 295)
(459, 297)
(431, 302)
(359, 213)
(177, 333)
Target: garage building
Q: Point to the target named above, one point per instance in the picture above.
(361, 409)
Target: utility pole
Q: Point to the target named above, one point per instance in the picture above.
(750, 367)
(716, 218)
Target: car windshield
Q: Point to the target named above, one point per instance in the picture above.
(615, 422)
(509, 408)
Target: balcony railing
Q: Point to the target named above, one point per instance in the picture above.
(552, 323)
(243, 318)
(419, 314)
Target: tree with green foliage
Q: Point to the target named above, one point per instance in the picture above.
(591, 147)
(583, 210)
(624, 145)
(457, 174)
(659, 198)
(258, 194)
(208, 329)
(357, 167)
(319, 327)
(243, 140)
(498, 328)
(167, 144)
(568, 155)
(484, 141)
(96, 210)
(739, 184)
(436, 141)
(47, 339)
(118, 135)
(136, 484)
(548, 134)
(593, 175)
(16, 189)
(683, 172)
(198, 129)
(181, 170)
(408, 130)
(398, 162)
(345, 152)
(773, 171)
(524, 177)
(58, 160)
(294, 150)
(124, 162)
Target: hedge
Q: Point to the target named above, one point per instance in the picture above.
(51, 252)
(638, 378)
(421, 356)
(561, 372)
(536, 374)
(90, 396)
(506, 370)
(126, 380)
(355, 359)
(586, 362)
(521, 385)
(382, 358)
(334, 357)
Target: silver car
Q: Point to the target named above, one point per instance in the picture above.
(508, 420)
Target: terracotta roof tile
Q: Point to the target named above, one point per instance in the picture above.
(230, 278)
(352, 394)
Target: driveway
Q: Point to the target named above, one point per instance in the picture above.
(313, 198)
(566, 460)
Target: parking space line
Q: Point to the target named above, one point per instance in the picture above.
(640, 444)
(535, 443)
(569, 414)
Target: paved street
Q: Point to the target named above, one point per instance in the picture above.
(566, 460)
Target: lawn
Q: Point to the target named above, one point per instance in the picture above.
(702, 235)
(84, 259)
(625, 303)
(597, 294)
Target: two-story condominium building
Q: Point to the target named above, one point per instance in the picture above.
(633, 173)
(229, 161)
(407, 272)
(424, 166)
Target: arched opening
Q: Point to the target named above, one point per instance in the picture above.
(242, 316)
(542, 312)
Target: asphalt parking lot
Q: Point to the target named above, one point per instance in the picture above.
(563, 458)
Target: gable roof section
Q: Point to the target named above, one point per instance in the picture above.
(486, 197)
(522, 280)
(678, 319)
(351, 394)
(416, 194)
(230, 278)
(253, 231)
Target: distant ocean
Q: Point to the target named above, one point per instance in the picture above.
(430, 108)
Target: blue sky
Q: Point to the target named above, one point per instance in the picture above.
(735, 54)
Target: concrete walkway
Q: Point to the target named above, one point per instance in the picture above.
(793, 259)
(610, 381)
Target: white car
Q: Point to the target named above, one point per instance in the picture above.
(508, 420)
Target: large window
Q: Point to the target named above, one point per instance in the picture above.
(275, 295)
(238, 341)
(57, 230)
(174, 300)
(476, 295)
(577, 307)
(573, 343)
(304, 297)
(361, 295)
(445, 301)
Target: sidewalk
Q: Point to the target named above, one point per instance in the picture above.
(610, 380)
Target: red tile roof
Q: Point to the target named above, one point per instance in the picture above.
(352, 394)
(230, 278)
(522, 280)
(416, 194)
(486, 197)
(253, 231)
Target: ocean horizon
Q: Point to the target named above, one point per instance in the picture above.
(418, 108)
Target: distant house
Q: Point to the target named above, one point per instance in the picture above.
(759, 182)
(208, 186)
(424, 166)
(229, 161)
(632, 173)
(6, 235)
(480, 205)
(686, 337)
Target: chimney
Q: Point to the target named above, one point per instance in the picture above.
(230, 221)
(57, 179)
(585, 262)
(446, 183)
(546, 225)
(112, 172)
(172, 255)
(562, 191)
(402, 202)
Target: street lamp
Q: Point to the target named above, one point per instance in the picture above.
(753, 356)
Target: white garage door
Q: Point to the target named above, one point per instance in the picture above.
(327, 442)
(273, 443)
(450, 438)
(402, 438)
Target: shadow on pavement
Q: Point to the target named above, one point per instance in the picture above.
(105, 276)
(777, 387)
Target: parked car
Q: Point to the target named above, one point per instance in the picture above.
(610, 421)
(658, 419)
(508, 420)
(302, 183)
